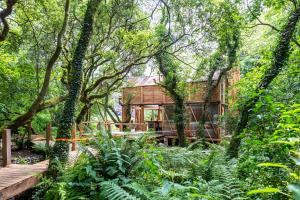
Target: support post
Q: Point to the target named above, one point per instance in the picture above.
(48, 135)
(73, 132)
(121, 126)
(166, 141)
(6, 147)
(158, 114)
(142, 118)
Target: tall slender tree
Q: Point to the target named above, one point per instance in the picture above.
(61, 146)
(280, 57)
(169, 68)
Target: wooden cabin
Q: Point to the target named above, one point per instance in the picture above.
(144, 95)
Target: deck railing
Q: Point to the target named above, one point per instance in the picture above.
(6, 147)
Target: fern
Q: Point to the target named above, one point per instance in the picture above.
(112, 191)
(224, 184)
(139, 189)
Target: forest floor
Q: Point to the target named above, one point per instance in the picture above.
(24, 156)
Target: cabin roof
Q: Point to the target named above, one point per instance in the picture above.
(153, 80)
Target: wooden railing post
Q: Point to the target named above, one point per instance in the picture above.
(73, 148)
(48, 135)
(121, 126)
(6, 147)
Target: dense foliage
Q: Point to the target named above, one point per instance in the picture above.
(80, 54)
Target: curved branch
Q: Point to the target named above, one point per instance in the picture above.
(36, 104)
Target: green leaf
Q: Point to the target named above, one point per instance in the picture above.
(279, 165)
(263, 190)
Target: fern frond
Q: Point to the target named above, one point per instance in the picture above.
(139, 189)
(112, 191)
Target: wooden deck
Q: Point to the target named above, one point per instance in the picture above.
(17, 178)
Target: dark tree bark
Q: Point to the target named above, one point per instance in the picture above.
(22, 119)
(61, 147)
(3, 14)
(84, 110)
(113, 114)
(280, 57)
(30, 132)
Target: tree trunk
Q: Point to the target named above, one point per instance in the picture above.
(60, 152)
(3, 14)
(168, 69)
(30, 132)
(180, 121)
(280, 57)
(113, 114)
(83, 112)
(21, 120)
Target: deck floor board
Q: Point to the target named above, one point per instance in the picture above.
(17, 178)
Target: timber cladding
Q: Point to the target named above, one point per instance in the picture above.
(155, 95)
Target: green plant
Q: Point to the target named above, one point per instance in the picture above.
(293, 173)
(41, 149)
(21, 160)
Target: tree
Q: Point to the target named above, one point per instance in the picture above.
(171, 83)
(280, 57)
(225, 30)
(61, 147)
(3, 15)
(37, 104)
(125, 34)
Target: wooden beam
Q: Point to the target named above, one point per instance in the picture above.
(6, 147)
(48, 135)
(166, 141)
(19, 187)
(142, 118)
(121, 127)
(73, 147)
(158, 113)
(142, 94)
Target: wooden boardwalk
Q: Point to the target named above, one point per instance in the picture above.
(17, 178)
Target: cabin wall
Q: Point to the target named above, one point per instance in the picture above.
(141, 96)
(193, 114)
(233, 78)
(155, 95)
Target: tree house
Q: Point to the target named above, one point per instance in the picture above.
(145, 94)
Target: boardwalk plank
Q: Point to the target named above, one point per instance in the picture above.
(17, 178)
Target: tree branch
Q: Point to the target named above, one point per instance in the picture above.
(3, 14)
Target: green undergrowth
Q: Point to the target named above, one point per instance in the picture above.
(125, 170)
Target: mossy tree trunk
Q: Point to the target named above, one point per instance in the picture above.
(171, 83)
(60, 152)
(280, 57)
(169, 68)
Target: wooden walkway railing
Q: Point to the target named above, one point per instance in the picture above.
(17, 178)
